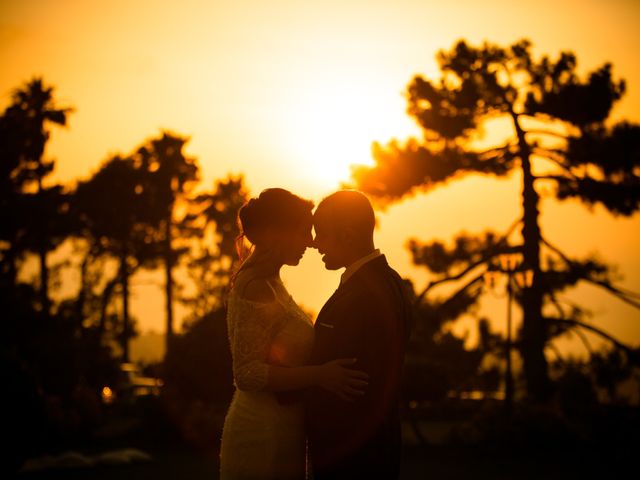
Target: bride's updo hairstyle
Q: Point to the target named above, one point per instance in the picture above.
(274, 210)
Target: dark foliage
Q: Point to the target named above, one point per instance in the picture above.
(198, 379)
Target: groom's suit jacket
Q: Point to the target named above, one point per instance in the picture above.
(367, 318)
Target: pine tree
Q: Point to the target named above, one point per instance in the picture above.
(557, 120)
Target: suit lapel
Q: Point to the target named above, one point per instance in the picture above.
(362, 273)
(325, 311)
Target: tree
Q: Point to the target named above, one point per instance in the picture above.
(32, 213)
(120, 217)
(171, 175)
(214, 216)
(558, 119)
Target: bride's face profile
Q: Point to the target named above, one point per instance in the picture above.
(295, 241)
(278, 224)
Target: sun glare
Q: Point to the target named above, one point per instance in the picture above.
(334, 126)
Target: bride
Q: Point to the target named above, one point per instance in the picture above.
(271, 339)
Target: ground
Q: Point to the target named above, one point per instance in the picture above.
(525, 447)
(419, 462)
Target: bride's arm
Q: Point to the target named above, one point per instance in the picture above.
(335, 376)
(251, 370)
(253, 326)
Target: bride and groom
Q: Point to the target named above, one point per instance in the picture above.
(314, 400)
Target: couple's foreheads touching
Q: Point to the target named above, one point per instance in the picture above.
(343, 222)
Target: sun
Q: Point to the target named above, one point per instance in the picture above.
(337, 135)
(336, 143)
(335, 125)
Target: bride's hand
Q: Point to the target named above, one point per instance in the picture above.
(337, 377)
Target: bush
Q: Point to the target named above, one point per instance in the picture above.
(198, 379)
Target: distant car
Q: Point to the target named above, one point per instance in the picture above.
(130, 385)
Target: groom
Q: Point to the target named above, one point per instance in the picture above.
(367, 318)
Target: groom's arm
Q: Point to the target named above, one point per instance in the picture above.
(378, 337)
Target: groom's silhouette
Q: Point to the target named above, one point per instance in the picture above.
(367, 318)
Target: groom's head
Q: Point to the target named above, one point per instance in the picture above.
(344, 223)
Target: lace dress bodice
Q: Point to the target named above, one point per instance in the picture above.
(261, 437)
(277, 333)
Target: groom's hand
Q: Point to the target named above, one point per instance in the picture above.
(347, 383)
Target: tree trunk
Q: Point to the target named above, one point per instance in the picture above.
(84, 287)
(534, 332)
(42, 252)
(44, 280)
(124, 281)
(168, 262)
(104, 303)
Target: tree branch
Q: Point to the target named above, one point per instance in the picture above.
(464, 287)
(554, 158)
(469, 268)
(545, 117)
(493, 150)
(547, 177)
(458, 276)
(620, 293)
(615, 291)
(556, 304)
(557, 352)
(585, 342)
(547, 132)
(597, 331)
(561, 311)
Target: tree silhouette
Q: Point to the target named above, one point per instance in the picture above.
(215, 218)
(559, 124)
(171, 175)
(31, 212)
(119, 216)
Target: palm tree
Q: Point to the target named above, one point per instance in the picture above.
(171, 176)
(24, 136)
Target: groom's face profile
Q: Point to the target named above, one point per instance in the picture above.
(343, 224)
(329, 243)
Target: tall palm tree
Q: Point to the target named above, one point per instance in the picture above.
(171, 176)
(27, 119)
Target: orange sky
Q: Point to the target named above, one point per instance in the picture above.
(291, 92)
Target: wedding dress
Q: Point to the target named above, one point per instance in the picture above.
(261, 438)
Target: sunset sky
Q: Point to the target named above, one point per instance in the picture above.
(291, 92)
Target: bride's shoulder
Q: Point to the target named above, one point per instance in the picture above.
(253, 288)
